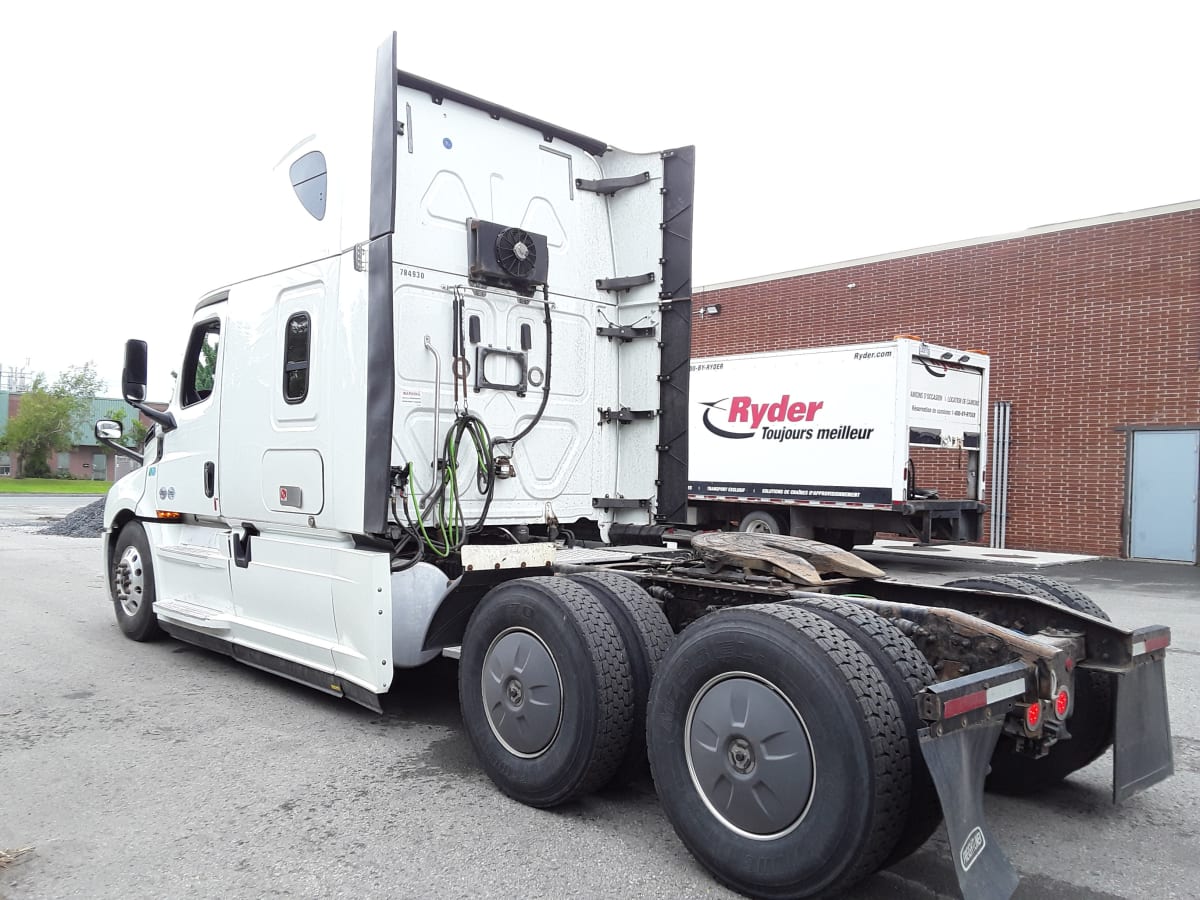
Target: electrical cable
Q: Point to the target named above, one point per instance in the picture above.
(511, 441)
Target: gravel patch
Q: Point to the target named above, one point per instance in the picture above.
(85, 522)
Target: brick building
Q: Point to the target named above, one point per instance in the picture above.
(1093, 328)
(87, 459)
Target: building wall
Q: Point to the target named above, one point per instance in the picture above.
(80, 459)
(1090, 329)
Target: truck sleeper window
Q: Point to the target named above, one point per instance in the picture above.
(295, 358)
(200, 364)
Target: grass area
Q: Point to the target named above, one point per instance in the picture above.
(52, 486)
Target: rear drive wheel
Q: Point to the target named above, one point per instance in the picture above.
(907, 672)
(545, 690)
(778, 752)
(131, 584)
(647, 635)
(762, 522)
(1091, 723)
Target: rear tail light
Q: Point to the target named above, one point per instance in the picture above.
(1061, 702)
(1033, 715)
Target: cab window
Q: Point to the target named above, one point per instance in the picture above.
(200, 364)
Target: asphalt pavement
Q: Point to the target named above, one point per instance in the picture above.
(160, 770)
(39, 509)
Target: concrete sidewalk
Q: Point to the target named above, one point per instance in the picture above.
(969, 553)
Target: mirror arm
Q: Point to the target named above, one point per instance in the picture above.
(165, 419)
(121, 449)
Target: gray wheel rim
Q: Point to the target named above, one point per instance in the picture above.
(522, 692)
(129, 581)
(750, 755)
(759, 527)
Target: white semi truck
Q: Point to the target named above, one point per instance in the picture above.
(455, 421)
(818, 443)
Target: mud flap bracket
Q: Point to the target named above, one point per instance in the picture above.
(958, 761)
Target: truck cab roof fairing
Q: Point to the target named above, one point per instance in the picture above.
(439, 93)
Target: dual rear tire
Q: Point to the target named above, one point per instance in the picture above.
(779, 751)
(553, 680)
(778, 735)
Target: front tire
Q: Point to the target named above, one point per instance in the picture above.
(131, 584)
(778, 752)
(545, 690)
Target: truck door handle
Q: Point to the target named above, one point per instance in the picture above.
(210, 479)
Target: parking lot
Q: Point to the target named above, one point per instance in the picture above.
(161, 770)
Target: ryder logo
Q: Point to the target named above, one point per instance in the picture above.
(744, 411)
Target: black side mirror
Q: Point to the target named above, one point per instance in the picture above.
(133, 385)
(133, 377)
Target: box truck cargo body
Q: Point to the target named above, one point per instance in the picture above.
(818, 442)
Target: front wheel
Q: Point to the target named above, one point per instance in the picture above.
(131, 584)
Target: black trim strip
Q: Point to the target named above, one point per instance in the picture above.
(679, 181)
(380, 362)
(325, 682)
(381, 387)
(383, 143)
(750, 490)
(440, 93)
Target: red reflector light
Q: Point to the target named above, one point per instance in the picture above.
(1061, 702)
(1033, 715)
(960, 705)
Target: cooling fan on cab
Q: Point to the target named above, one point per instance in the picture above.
(506, 256)
(516, 252)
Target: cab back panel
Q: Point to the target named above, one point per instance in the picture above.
(456, 163)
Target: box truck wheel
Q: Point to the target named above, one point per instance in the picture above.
(778, 751)
(1091, 723)
(545, 691)
(907, 672)
(647, 635)
(762, 522)
(131, 584)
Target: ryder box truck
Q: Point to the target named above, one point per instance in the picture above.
(456, 384)
(819, 442)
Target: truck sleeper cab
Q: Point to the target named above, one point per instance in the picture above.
(461, 386)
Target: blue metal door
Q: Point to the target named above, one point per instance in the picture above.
(1162, 495)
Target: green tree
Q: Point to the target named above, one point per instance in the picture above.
(133, 431)
(49, 416)
(206, 366)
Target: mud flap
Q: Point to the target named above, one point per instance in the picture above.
(1142, 753)
(958, 762)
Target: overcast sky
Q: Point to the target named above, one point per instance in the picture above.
(824, 132)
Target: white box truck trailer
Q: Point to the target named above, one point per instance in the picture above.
(818, 442)
(460, 378)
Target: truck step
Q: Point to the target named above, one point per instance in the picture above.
(192, 615)
(195, 555)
